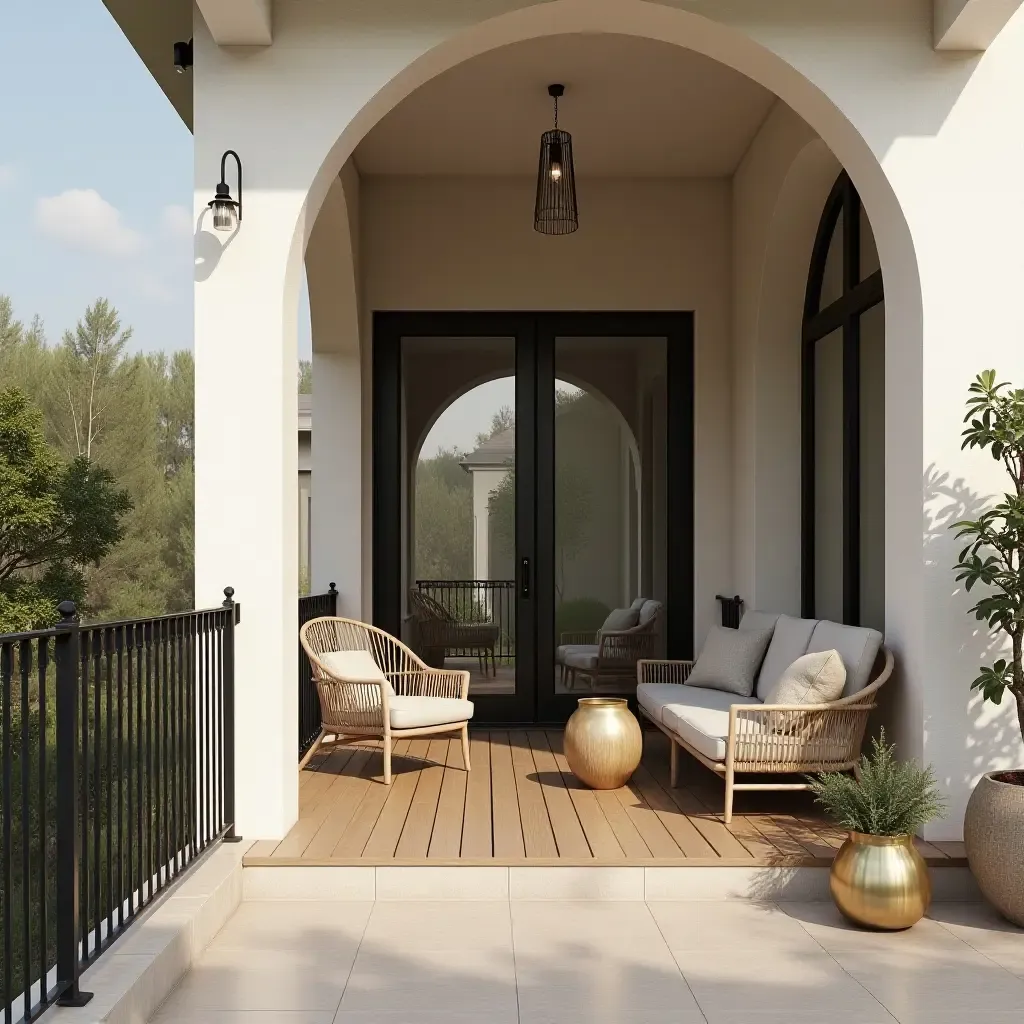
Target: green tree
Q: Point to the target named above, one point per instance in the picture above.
(305, 377)
(444, 518)
(55, 518)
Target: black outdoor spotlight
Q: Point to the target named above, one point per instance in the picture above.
(226, 212)
(182, 57)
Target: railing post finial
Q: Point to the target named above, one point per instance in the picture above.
(333, 589)
(68, 613)
(229, 596)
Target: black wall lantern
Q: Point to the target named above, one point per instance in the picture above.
(555, 212)
(226, 212)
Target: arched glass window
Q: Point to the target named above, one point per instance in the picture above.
(843, 392)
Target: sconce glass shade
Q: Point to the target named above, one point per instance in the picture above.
(225, 210)
(555, 212)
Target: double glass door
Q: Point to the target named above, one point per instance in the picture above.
(532, 500)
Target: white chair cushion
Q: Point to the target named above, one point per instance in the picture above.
(424, 712)
(730, 660)
(655, 697)
(812, 679)
(355, 667)
(789, 642)
(702, 720)
(581, 657)
(857, 646)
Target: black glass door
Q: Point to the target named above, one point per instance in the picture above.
(532, 478)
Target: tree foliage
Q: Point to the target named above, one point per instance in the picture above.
(994, 555)
(129, 417)
(444, 518)
(56, 518)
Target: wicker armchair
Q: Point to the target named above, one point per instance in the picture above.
(777, 738)
(425, 701)
(439, 630)
(607, 655)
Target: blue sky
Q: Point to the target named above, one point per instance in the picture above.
(95, 177)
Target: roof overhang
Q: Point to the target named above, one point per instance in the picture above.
(971, 25)
(239, 22)
(153, 29)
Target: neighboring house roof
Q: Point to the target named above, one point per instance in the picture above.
(494, 453)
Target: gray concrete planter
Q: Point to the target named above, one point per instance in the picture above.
(994, 837)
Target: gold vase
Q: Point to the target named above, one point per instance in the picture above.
(603, 743)
(880, 882)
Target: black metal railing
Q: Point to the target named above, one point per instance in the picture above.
(311, 607)
(117, 753)
(478, 601)
(732, 610)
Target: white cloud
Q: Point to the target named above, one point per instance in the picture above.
(177, 221)
(7, 175)
(153, 287)
(83, 219)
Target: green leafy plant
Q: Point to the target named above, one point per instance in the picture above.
(891, 797)
(994, 555)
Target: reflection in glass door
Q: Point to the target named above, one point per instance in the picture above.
(610, 505)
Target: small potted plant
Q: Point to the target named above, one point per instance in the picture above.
(878, 879)
(994, 558)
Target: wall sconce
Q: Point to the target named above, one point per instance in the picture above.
(182, 57)
(226, 212)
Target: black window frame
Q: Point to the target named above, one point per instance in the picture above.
(859, 294)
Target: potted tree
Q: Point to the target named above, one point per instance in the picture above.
(878, 879)
(994, 558)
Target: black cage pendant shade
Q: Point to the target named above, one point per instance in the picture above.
(555, 212)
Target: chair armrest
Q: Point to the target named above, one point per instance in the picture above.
(439, 682)
(795, 737)
(662, 671)
(579, 638)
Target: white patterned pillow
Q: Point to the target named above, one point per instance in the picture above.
(816, 678)
(730, 660)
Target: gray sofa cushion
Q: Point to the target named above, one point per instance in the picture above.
(638, 603)
(649, 610)
(730, 660)
(655, 697)
(759, 620)
(620, 619)
(857, 646)
(703, 720)
(577, 655)
(789, 642)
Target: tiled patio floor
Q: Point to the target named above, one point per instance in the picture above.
(596, 962)
(521, 805)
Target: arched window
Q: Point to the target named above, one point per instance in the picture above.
(843, 390)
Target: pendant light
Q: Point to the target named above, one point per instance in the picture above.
(555, 212)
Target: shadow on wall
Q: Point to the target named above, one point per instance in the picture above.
(978, 736)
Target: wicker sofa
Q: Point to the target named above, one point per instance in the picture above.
(735, 735)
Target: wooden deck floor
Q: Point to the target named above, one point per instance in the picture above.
(521, 805)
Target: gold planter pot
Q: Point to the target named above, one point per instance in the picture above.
(880, 882)
(603, 742)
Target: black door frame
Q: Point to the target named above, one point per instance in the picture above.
(534, 333)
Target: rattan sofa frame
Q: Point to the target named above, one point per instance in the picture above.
(618, 652)
(351, 711)
(777, 739)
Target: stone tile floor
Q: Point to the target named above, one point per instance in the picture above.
(592, 962)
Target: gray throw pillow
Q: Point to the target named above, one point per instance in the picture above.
(620, 619)
(730, 660)
(816, 678)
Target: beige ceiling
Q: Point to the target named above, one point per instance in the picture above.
(635, 108)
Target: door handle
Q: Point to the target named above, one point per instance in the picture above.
(524, 577)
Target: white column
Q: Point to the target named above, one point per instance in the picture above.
(337, 479)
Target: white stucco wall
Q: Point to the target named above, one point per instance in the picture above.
(457, 244)
(926, 137)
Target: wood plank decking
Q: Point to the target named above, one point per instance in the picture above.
(521, 805)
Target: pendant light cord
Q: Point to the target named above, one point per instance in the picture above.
(555, 98)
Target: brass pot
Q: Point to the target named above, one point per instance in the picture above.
(603, 743)
(880, 882)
